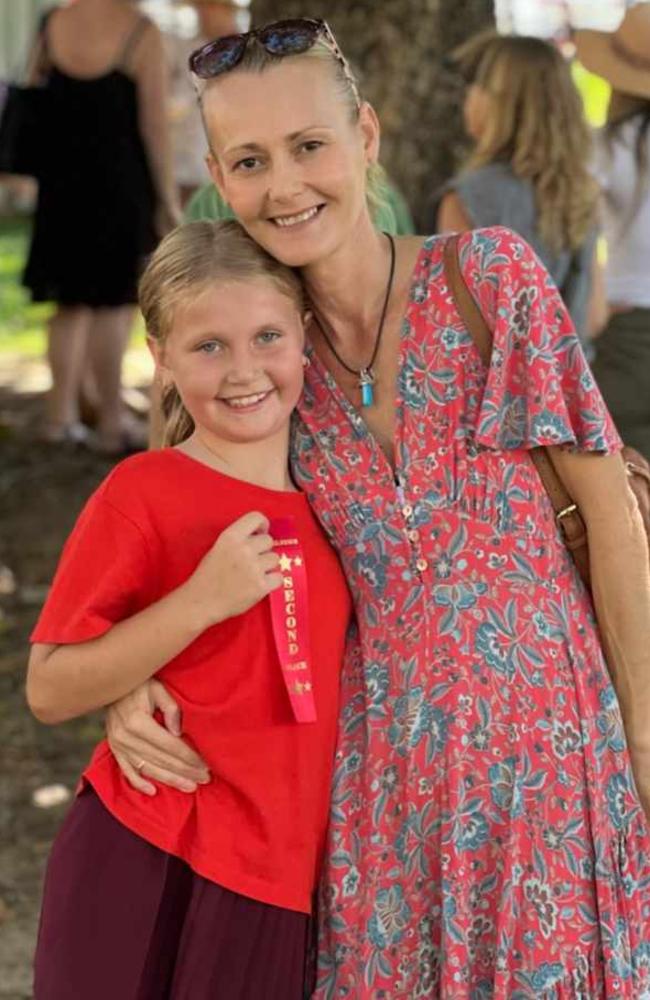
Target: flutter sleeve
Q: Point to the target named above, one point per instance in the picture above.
(104, 576)
(539, 389)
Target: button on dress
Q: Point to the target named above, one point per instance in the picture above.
(486, 837)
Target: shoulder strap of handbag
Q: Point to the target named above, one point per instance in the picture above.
(566, 511)
(131, 43)
(39, 63)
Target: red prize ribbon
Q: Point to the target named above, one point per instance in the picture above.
(290, 617)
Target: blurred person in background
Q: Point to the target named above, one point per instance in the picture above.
(214, 19)
(529, 167)
(622, 364)
(106, 194)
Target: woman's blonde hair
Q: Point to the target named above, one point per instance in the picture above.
(538, 127)
(256, 60)
(188, 262)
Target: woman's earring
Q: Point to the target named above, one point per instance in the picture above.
(305, 361)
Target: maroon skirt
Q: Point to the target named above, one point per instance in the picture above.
(123, 920)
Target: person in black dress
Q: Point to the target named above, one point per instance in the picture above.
(106, 194)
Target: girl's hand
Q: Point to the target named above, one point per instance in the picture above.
(239, 570)
(135, 737)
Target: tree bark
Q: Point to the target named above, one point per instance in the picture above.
(398, 49)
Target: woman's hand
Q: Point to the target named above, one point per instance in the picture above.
(641, 767)
(145, 749)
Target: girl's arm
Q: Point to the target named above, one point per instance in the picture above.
(150, 73)
(69, 680)
(620, 574)
(66, 681)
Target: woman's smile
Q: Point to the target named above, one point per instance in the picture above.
(299, 219)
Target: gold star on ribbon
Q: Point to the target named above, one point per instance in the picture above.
(300, 687)
(285, 563)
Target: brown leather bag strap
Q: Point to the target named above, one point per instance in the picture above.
(566, 511)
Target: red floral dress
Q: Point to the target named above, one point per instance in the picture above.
(486, 837)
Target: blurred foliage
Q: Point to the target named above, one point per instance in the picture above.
(21, 322)
(595, 94)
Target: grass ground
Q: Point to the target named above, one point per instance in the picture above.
(42, 490)
(22, 324)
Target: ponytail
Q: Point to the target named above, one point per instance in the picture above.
(178, 423)
(190, 260)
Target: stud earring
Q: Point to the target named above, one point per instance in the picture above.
(305, 361)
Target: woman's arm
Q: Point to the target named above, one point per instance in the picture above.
(150, 73)
(620, 574)
(69, 680)
(597, 308)
(452, 216)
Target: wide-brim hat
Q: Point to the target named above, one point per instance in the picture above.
(622, 57)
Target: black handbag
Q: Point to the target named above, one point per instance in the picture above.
(23, 118)
(24, 115)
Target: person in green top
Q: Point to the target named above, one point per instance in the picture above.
(392, 214)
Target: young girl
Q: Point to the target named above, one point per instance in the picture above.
(529, 166)
(172, 570)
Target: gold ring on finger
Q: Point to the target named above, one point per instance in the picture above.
(140, 764)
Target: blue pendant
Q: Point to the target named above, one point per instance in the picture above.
(366, 379)
(367, 395)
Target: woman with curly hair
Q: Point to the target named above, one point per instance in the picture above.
(529, 168)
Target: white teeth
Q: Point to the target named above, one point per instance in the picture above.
(292, 220)
(243, 401)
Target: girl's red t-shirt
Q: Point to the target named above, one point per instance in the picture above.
(258, 827)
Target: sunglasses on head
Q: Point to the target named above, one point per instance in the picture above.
(281, 38)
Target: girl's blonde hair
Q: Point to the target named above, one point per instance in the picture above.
(256, 60)
(188, 262)
(538, 127)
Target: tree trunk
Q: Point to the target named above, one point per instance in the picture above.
(398, 49)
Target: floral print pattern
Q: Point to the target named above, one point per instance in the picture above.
(486, 839)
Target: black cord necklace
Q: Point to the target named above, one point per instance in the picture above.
(366, 374)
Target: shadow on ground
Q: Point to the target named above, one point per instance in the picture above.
(42, 490)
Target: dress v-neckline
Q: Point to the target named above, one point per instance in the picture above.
(355, 418)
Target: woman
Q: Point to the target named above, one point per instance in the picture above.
(529, 168)
(622, 364)
(105, 192)
(486, 837)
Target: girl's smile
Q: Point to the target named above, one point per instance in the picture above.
(247, 403)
